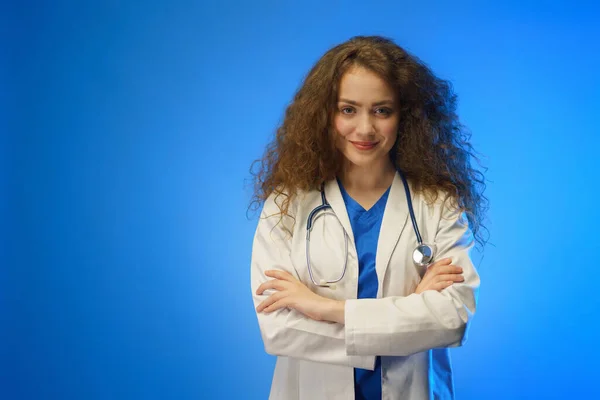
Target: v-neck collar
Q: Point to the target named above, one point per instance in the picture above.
(356, 207)
(394, 221)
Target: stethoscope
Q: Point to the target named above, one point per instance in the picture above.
(422, 255)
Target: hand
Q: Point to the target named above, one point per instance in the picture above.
(440, 275)
(292, 293)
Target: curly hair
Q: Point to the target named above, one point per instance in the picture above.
(432, 149)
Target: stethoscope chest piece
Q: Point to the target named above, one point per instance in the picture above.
(423, 255)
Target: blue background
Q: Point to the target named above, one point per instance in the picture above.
(128, 130)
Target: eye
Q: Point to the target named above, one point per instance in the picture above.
(384, 111)
(346, 110)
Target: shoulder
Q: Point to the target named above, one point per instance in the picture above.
(282, 208)
(441, 220)
(438, 207)
(286, 201)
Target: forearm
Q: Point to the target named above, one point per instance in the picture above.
(291, 334)
(401, 326)
(287, 332)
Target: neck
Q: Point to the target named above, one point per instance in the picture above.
(366, 179)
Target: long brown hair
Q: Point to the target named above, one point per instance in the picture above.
(432, 150)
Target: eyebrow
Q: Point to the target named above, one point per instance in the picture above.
(379, 103)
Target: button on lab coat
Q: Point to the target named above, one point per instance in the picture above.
(411, 332)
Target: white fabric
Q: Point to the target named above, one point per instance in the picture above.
(412, 332)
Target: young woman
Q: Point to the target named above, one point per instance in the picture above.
(361, 272)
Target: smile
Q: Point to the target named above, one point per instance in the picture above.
(364, 145)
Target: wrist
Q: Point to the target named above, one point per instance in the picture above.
(334, 311)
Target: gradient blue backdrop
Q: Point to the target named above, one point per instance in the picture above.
(128, 129)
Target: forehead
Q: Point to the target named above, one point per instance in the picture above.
(361, 84)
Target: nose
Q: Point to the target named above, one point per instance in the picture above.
(365, 125)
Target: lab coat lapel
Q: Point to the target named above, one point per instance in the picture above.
(392, 225)
(335, 199)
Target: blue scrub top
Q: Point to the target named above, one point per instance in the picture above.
(365, 226)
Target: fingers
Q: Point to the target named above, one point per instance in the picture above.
(447, 274)
(272, 284)
(439, 286)
(275, 297)
(277, 283)
(283, 303)
(449, 278)
(440, 275)
(281, 283)
(443, 261)
(445, 269)
(443, 266)
(283, 275)
(439, 283)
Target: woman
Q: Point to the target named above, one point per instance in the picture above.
(353, 311)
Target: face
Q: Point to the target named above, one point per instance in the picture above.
(366, 119)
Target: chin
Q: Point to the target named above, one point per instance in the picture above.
(364, 160)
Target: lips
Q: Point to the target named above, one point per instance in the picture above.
(364, 145)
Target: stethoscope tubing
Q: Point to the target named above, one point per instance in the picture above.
(326, 206)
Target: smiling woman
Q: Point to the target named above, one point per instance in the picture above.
(366, 123)
(354, 300)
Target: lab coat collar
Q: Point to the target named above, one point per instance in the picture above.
(394, 221)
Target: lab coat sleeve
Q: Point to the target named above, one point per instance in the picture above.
(286, 332)
(404, 325)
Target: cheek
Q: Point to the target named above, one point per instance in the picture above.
(391, 137)
(342, 130)
(342, 127)
(390, 131)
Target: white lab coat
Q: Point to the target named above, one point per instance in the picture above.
(411, 332)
